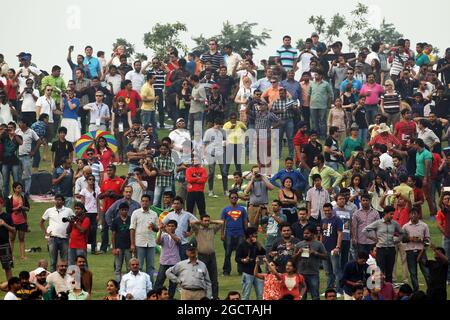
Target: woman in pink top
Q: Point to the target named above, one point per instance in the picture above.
(372, 91)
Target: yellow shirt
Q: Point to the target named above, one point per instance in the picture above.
(236, 135)
(148, 93)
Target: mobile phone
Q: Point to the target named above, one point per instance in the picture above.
(71, 48)
(446, 189)
(390, 192)
(261, 259)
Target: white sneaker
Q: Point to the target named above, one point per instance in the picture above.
(323, 294)
(211, 194)
(338, 295)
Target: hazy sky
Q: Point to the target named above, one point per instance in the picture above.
(47, 28)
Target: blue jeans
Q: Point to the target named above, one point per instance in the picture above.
(288, 128)
(25, 163)
(312, 286)
(447, 253)
(124, 256)
(231, 244)
(158, 194)
(411, 260)
(57, 246)
(150, 117)
(345, 252)
(68, 201)
(319, 121)
(161, 278)
(147, 255)
(362, 135)
(333, 165)
(7, 169)
(249, 281)
(194, 118)
(37, 155)
(371, 112)
(333, 270)
(74, 253)
(182, 250)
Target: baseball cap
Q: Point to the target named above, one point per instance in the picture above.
(39, 270)
(21, 54)
(215, 86)
(314, 34)
(191, 247)
(358, 64)
(179, 120)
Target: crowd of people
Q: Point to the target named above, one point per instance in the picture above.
(366, 144)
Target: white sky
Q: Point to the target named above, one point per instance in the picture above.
(47, 28)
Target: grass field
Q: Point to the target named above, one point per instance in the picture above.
(102, 265)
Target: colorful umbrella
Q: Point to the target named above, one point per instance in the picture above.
(89, 140)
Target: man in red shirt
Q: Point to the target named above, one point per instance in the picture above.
(78, 229)
(196, 177)
(110, 190)
(384, 137)
(405, 128)
(132, 98)
(300, 139)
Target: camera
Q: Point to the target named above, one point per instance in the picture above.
(69, 219)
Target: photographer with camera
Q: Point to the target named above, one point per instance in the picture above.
(10, 162)
(78, 231)
(139, 186)
(29, 96)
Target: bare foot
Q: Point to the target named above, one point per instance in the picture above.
(23, 258)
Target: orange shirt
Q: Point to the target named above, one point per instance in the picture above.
(272, 94)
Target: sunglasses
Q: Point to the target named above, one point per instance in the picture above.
(90, 154)
(99, 95)
(91, 179)
(49, 90)
(233, 197)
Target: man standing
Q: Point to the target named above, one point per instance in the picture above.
(143, 224)
(120, 239)
(99, 113)
(306, 55)
(135, 284)
(316, 198)
(304, 221)
(114, 210)
(159, 75)
(56, 232)
(320, 96)
(111, 189)
(283, 248)
(330, 178)
(192, 275)
(166, 169)
(205, 231)
(424, 160)
(6, 226)
(272, 224)
(299, 182)
(135, 76)
(62, 181)
(92, 63)
(213, 55)
(149, 98)
(385, 233)
(78, 229)
(235, 223)
(232, 59)
(361, 219)
(286, 55)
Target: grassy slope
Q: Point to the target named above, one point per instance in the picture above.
(102, 265)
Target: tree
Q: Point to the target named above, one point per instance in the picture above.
(129, 47)
(329, 31)
(164, 36)
(241, 37)
(357, 25)
(385, 33)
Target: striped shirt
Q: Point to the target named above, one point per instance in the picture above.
(285, 106)
(96, 168)
(398, 64)
(216, 59)
(391, 102)
(265, 120)
(160, 80)
(287, 57)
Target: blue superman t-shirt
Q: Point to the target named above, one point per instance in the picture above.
(234, 218)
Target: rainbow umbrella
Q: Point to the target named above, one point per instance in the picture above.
(89, 140)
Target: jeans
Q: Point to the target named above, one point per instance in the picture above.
(182, 250)
(123, 256)
(306, 116)
(249, 281)
(211, 265)
(150, 117)
(147, 255)
(160, 105)
(362, 135)
(333, 271)
(385, 261)
(105, 236)
(25, 163)
(195, 120)
(371, 112)
(158, 194)
(312, 284)
(161, 278)
(68, 201)
(231, 244)
(37, 155)
(92, 238)
(74, 253)
(211, 174)
(288, 128)
(7, 169)
(55, 246)
(319, 121)
(333, 165)
(233, 152)
(447, 253)
(411, 260)
(345, 252)
(196, 198)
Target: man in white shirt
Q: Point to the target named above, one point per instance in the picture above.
(386, 161)
(46, 104)
(135, 284)
(81, 182)
(136, 77)
(26, 152)
(231, 58)
(26, 71)
(143, 225)
(113, 79)
(13, 287)
(60, 279)
(6, 109)
(180, 137)
(305, 57)
(99, 113)
(29, 96)
(56, 232)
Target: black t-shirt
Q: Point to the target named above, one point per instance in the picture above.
(334, 146)
(4, 233)
(438, 274)
(360, 118)
(122, 229)
(437, 128)
(442, 106)
(61, 150)
(297, 228)
(311, 151)
(411, 161)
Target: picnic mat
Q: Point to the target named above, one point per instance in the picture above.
(42, 198)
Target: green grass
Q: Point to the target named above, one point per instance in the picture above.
(102, 265)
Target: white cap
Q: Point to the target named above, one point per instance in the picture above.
(39, 270)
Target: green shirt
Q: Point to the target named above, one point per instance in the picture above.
(320, 93)
(349, 145)
(54, 82)
(421, 157)
(326, 173)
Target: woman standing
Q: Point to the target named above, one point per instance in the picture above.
(272, 285)
(242, 98)
(292, 283)
(183, 99)
(355, 190)
(112, 287)
(338, 118)
(351, 142)
(69, 106)
(120, 123)
(104, 152)
(81, 163)
(359, 113)
(288, 200)
(376, 70)
(11, 87)
(89, 197)
(376, 191)
(17, 205)
(390, 103)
